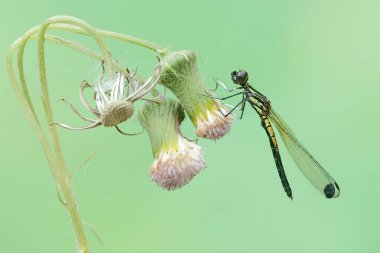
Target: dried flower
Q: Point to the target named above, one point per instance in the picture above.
(114, 98)
(177, 160)
(180, 74)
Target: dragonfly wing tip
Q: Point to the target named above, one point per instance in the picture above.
(331, 190)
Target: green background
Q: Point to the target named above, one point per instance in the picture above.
(317, 61)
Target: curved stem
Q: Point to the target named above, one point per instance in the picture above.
(80, 48)
(75, 22)
(23, 99)
(21, 43)
(55, 167)
(55, 156)
(73, 45)
(56, 164)
(56, 161)
(137, 41)
(119, 36)
(62, 173)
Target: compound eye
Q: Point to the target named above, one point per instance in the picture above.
(233, 73)
(242, 76)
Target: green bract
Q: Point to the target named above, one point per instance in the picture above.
(181, 75)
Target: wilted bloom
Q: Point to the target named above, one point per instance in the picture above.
(181, 75)
(114, 98)
(177, 160)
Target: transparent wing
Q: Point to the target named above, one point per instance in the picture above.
(312, 170)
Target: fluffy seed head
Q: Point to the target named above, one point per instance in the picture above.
(175, 167)
(213, 125)
(177, 160)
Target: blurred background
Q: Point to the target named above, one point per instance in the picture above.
(317, 61)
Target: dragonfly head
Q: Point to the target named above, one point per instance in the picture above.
(239, 77)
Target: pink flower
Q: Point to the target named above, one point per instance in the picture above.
(177, 160)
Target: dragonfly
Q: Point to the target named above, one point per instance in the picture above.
(306, 163)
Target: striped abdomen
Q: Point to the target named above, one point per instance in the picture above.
(265, 123)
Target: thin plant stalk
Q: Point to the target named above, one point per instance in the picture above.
(58, 170)
(53, 20)
(55, 159)
(80, 48)
(118, 36)
(73, 45)
(62, 174)
(55, 156)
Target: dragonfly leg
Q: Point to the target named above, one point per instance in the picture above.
(208, 95)
(243, 106)
(218, 82)
(233, 109)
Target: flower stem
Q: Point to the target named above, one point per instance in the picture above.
(55, 159)
(55, 155)
(73, 45)
(62, 174)
(58, 168)
(80, 48)
(119, 36)
(84, 26)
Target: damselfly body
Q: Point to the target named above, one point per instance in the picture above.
(312, 170)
